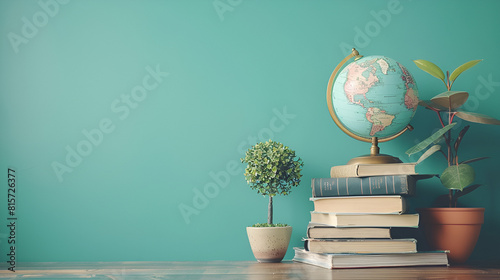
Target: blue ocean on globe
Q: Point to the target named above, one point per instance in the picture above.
(375, 96)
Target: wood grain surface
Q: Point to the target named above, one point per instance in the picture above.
(236, 270)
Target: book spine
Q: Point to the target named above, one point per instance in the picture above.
(374, 185)
(344, 171)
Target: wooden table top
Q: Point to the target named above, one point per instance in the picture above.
(236, 270)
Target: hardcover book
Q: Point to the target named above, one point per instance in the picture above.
(363, 246)
(364, 170)
(364, 220)
(387, 204)
(322, 231)
(375, 185)
(331, 261)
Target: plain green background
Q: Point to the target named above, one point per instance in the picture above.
(239, 72)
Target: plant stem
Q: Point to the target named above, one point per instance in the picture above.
(450, 156)
(455, 198)
(270, 211)
(450, 200)
(444, 155)
(440, 118)
(452, 116)
(444, 135)
(448, 86)
(448, 142)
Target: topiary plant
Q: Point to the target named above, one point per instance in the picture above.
(273, 169)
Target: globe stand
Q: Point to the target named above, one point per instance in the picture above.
(374, 157)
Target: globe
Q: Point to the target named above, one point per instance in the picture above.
(374, 96)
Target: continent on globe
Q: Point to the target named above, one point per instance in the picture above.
(411, 99)
(360, 78)
(384, 66)
(379, 119)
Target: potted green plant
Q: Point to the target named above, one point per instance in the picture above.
(448, 227)
(272, 169)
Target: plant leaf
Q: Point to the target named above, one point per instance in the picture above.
(438, 140)
(451, 99)
(424, 144)
(477, 118)
(431, 105)
(460, 69)
(457, 177)
(444, 199)
(467, 190)
(430, 68)
(460, 137)
(428, 153)
(473, 160)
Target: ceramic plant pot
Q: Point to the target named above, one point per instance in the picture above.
(269, 244)
(453, 229)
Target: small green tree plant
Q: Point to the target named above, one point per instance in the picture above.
(272, 169)
(459, 175)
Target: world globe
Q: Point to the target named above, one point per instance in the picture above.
(372, 99)
(375, 96)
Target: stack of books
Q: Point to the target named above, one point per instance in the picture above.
(361, 219)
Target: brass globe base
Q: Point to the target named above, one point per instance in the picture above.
(374, 159)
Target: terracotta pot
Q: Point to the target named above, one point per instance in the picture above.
(453, 229)
(269, 244)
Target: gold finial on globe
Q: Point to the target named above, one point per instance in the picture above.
(373, 99)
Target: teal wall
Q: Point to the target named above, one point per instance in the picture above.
(120, 116)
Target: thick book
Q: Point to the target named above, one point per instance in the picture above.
(386, 204)
(375, 185)
(331, 261)
(364, 170)
(322, 231)
(364, 220)
(361, 246)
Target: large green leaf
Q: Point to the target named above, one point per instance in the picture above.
(428, 153)
(460, 69)
(451, 99)
(424, 144)
(430, 68)
(477, 118)
(457, 177)
(474, 160)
